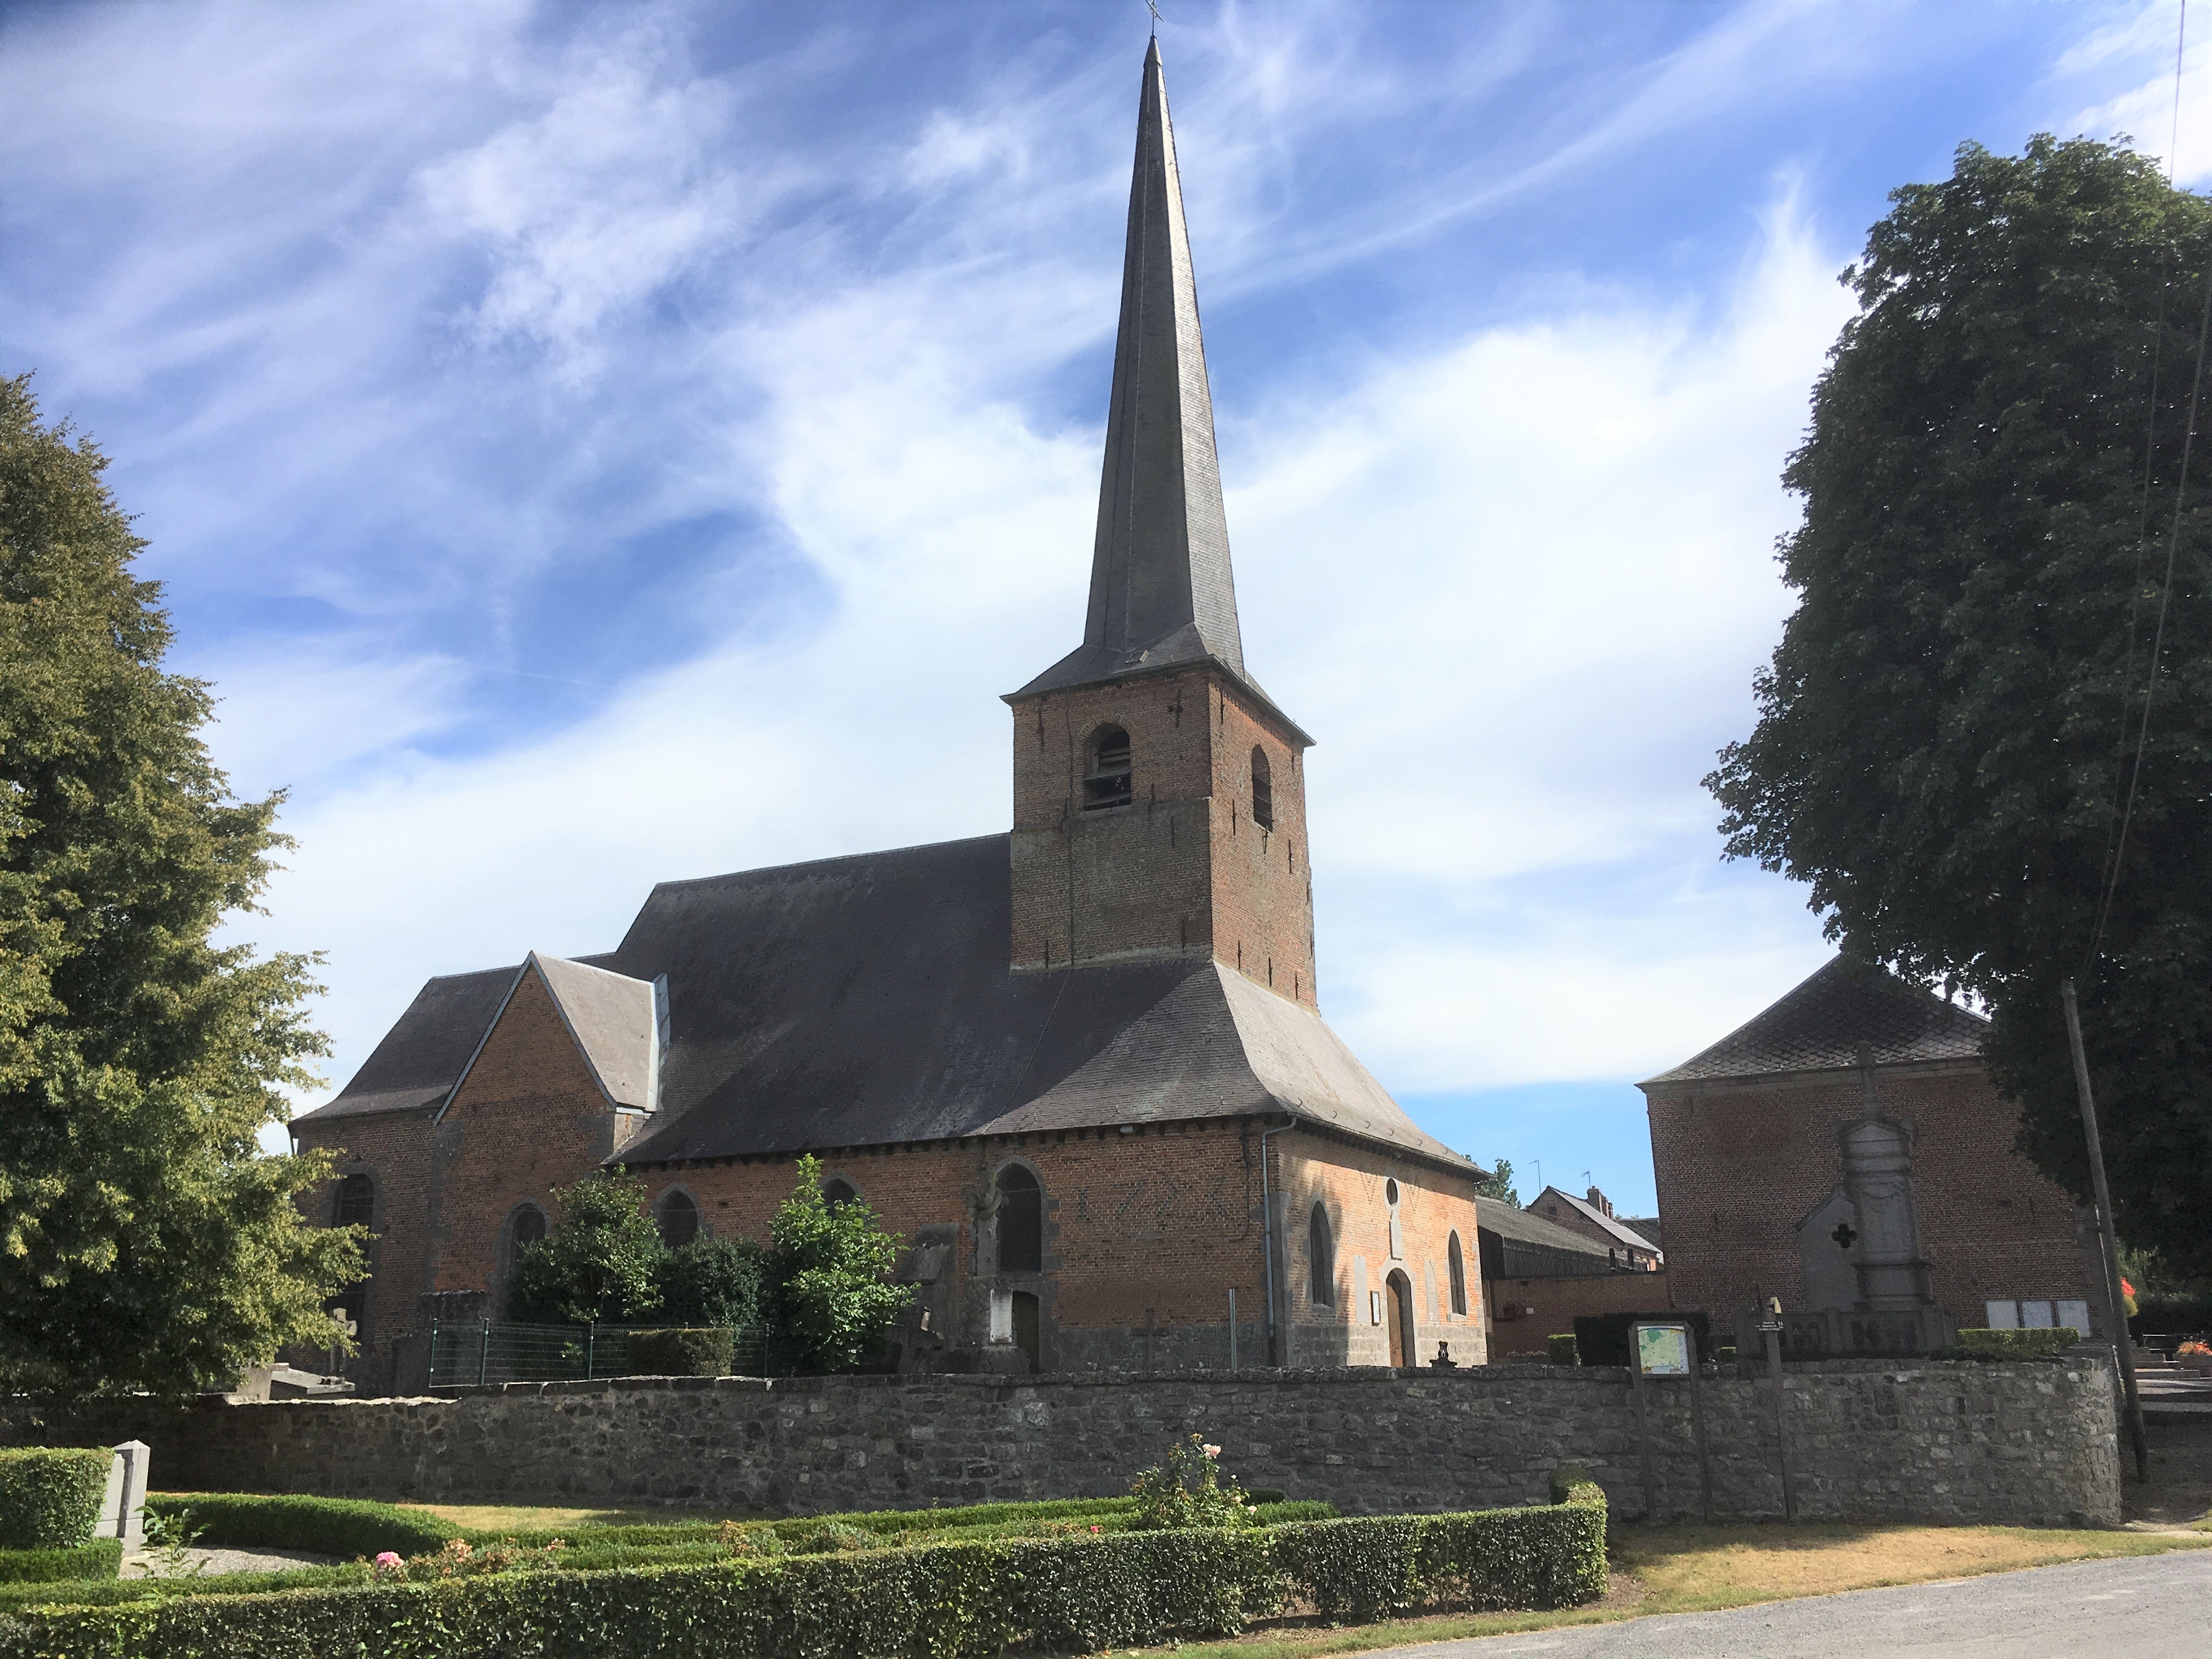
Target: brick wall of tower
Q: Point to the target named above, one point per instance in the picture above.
(1740, 1165)
(527, 1118)
(1183, 869)
(1262, 886)
(393, 1149)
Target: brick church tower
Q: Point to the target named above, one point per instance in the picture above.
(1159, 793)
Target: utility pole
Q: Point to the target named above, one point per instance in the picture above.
(2123, 1343)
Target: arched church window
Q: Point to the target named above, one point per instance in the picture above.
(678, 1216)
(1263, 790)
(1321, 1260)
(355, 1204)
(837, 1192)
(1106, 780)
(1021, 1221)
(1397, 1232)
(527, 1228)
(1456, 1261)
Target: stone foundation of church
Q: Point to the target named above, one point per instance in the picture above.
(2029, 1443)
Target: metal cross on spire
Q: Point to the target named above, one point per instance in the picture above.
(1153, 6)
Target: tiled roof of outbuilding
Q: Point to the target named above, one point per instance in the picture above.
(426, 1051)
(1819, 1027)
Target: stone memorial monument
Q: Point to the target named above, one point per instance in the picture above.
(123, 1506)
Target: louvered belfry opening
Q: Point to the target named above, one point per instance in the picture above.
(1107, 780)
(1263, 790)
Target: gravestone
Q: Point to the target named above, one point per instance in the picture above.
(123, 1505)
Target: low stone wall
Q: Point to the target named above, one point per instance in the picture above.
(2030, 1444)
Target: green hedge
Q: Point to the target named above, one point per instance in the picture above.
(50, 1496)
(942, 1600)
(110, 1592)
(101, 1558)
(702, 1351)
(2009, 1345)
(1560, 1350)
(345, 1527)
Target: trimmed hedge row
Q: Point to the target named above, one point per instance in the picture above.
(683, 1351)
(943, 1601)
(49, 1497)
(345, 1527)
(109, 1592)
(100, 1558)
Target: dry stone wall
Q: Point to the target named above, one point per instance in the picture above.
(2024, 1443)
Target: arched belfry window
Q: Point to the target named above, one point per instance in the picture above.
(1321, 1259)
(837, 1192)
(353, 1205)
(1021, 1222)
(1455, 1260)
(1263, 790)
(1106, 777)
(678, 1216)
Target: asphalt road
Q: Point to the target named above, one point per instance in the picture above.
(2149, 1608)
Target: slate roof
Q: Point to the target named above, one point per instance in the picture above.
(867, 1001)
(424, 1054)
(1526, 1227)
(1163, 594)
(1518, 1244)
(1646, 1227)
(614, 1023)
(1819, 1026)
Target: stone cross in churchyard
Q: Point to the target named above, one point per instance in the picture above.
(123, 1506)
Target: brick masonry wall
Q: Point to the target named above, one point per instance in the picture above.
(1515, 1329)
(528, 1117)
(1740, 1165)
(1183, 869)
(2025, 1445)
(1146, 1235)
(1350, 1184)
(393, 1150)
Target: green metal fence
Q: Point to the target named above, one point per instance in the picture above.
(486, 1350)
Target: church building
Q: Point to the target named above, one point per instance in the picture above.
(1080, 1066)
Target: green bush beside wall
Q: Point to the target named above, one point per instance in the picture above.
(1561, 1350)
(2009, 1345)
(700, 1351)
(102, 1557)
(50, 1496)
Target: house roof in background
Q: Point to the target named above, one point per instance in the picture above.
(1614, 1226)
(1820, 1025)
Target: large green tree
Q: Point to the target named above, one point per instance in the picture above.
(829, 1276)
(1951, 728)
(146, 1241)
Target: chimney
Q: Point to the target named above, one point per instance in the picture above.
(1599, 1202)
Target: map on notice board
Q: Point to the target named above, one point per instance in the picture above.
(1663, 1350)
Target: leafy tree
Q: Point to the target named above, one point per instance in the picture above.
(601, 1264)
(1499, 1187)
(712, 1281)
(828, 1274)
(1948, 732)
(146, 1241)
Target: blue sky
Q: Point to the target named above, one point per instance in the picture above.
(587, 446)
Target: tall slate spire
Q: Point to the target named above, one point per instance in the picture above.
(1160, 589)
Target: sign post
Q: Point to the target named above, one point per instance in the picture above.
(1663, 1350)
(1770, 1327)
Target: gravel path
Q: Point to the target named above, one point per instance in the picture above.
(2149, 1608)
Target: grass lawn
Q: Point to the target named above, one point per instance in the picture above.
(1693, 1569)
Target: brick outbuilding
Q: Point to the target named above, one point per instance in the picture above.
(1749, 1146)
(1079, 1068)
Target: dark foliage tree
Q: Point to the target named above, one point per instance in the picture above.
(1499, 1187)
(714, 1281)
(1949, 730)
(146, 1241)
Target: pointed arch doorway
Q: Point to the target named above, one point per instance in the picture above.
(1398, 1308)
